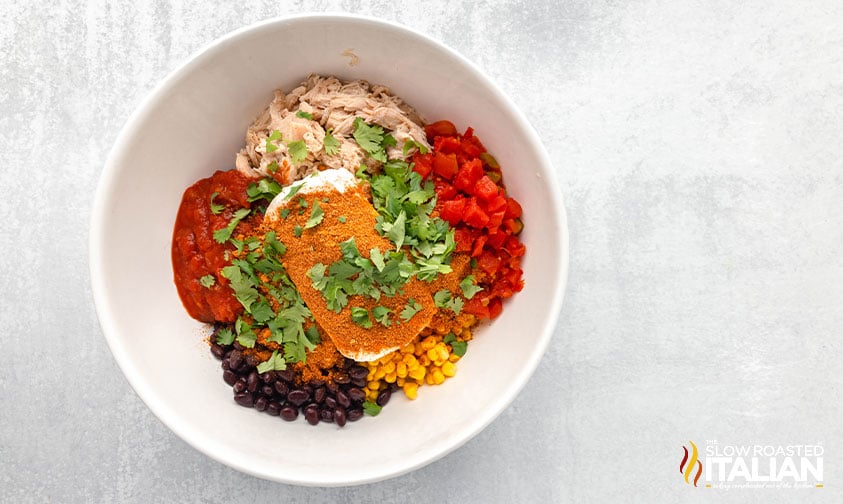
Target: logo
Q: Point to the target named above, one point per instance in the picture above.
(687, 467)
(753, 465)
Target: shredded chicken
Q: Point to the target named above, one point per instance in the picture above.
(334, 105)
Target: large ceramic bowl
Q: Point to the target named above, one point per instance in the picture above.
(192, 124)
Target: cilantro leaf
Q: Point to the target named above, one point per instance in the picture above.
(208, 281)
(222, 235)
(304, 115)
(272, 167)
(316, 216)
(444, 299)
(297, 230)
(216, 208)
(381, 314)
(297, 150)
(409, 144)
(242, 285)
(274, 363)
(410, 309)
(342, 219)
(371, 409)
(284, 212)
(313, 335)
(368, 137)
(293, 190)
(360, 316)
(273, 137)
(330, 143)
(225, 336)
(468, 287)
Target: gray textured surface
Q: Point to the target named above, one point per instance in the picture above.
(698, 146)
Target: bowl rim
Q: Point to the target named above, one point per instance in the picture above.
(104, 195)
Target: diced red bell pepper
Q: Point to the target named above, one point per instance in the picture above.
(495, 307)
(474, 306)
(440, 128)
(474, 215)
(515, 247)
(477, 248)
(495, 219)
(488, 262)
(486, 189)
(496, 204)
(444, 190)
(496, 239)
(513, 209)
(452, 210)
(423, 164)
(445, 165)
(470, 172)
(463, 238)
(446, 144)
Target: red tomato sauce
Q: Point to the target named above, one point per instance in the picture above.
(195, 253)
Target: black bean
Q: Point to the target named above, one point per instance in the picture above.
(356, 394)
(330, 402)
(235, 360)
(273, 408)
(319, 394)
(218, 351)
(238, 346)
(252, 381)
(245, 399)
(326, 415)
(229, 377)
(281, 388)
(311, 414)
(287, 375)
(267, 390)
(225, 364)
(339, 416)
(354, 414)
(252, 360)
(343, 399)
(268, 377)
(383, 397)
(261, 403)
(317, 382)
(359, 382)
(240, 386)
(332, 387)
(289, 412)
(298, 397)
(358, 372)
(342, 378)
(393, 387)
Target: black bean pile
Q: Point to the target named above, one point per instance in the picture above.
(280, 393)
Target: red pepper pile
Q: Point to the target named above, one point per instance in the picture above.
(471, 197)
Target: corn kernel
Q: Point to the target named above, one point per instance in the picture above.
(417, 373)
(411, 390)
(453, 358)
(438, 377)
(400, 382)
(373, 385)
(401, 369)
(428, 343)
(429, 379)
(390, 377)
(449, 369)
(432, 354)
(389, 367)
(442, 352)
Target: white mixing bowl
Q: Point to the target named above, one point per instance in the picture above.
(192, 124)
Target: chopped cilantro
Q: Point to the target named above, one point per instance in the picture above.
(272, 167)
(293, 190)
(207, 281)
(273, 137)
(274, 363)
(371, 409)
(303, 203)
(222, 235)
(409, 144)
(304, 115)
(225, 336)
(468, 287)
(266, 188)
(284, 212)
(316, 216)
(297, 230)
(313, 336)
(360, 316)
(342, 219)
(458, 347)
(444, 299)
(297, 150)
(381, 314)
(330, 143)
(216, 208)
(410, 309)
(368, 137)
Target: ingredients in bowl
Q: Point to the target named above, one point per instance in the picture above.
(349, 255)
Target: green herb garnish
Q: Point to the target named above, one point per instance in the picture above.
(444, 299)
(297, 230)
(316, 216)
(410, 309)
(468, 287)
(330, 143)
(458, 347)
(371, 409)
(275, 362)
(304, 115)
(216, 208)
(381, 315)
(360, 316)
(207, 281)
(297, 151)
(222, 235)
(225, 336)
(273, 137)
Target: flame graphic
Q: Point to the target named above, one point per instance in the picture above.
(686, 467)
